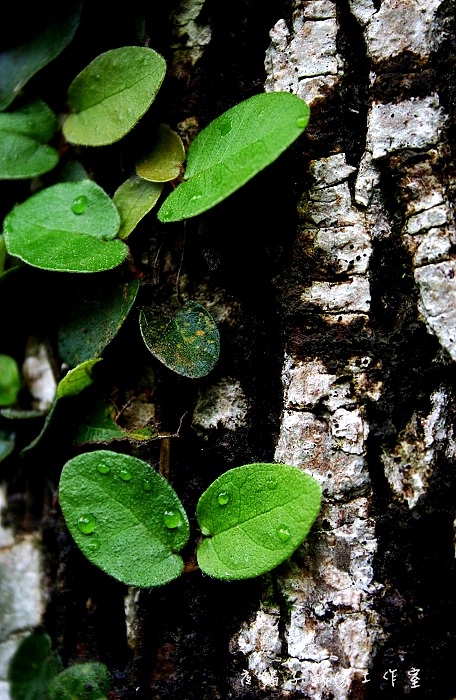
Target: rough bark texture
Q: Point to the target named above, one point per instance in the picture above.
(332, 278)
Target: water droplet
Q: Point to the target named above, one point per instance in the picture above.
(125, 474)
(79, 204)
(103, 468)
(271, 483)
(223, 498)
(172, 519)
(87, 523)
(224, 126)
(195, 197)
(147, 486)
(301, 122)
(283, 533)
(93, 545)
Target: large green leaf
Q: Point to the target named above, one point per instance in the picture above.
(187, 342)
(134, 199)
(233, 148)
(93, 317)
(254, 517)
(10, 380)
(163, 162)
(55, 24)
(89, 681)
(32, 668)
(124, 516)
(68, 227)
(111, 94)
(23, 138)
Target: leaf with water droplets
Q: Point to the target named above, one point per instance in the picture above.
(187, 342)
(163, 162)
(111, 94)
(137, 531)
(46, 232)
(45, 30)
(134, 199)
(88, 681)
(96, 310)
(254, 517)
(32, 667)
(234, 148)
(23, 141)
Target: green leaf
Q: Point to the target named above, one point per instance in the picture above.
(89, 681)
(188, 342)
(234, 148)
(3, 253)
(111, 94)
(125, 517)
(255, 516)
(10, 380)
(77, 379)
(68, 227)
(73, 171)
(98, 425)
(134, 199)
(7, 441)
(55, 29)
(94, 315)
(23, 137)
(32, 668)
(164, 161)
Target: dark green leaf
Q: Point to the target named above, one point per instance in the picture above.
(98, 425)
(10, 380)
(111, 94)
(55, 29)
(89, 681)
(6, 444)
(255, 517)
(187, 342)
(163, 162)
(233, 148)
(93, 318)
(32, 668)
(134, 199)
(23, 138)
(125, 517)
(68, 227)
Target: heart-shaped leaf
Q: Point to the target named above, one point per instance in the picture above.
(10, 380)
(89, 681)
(125, 517)
(53, 25)
(254, 517)
(23, 138)
(93, 317)
(98, 425)
(32, 667)
(134, 199)
(163, 162)
(187, 342)
(111, 94)
(232, 149)
(68, 227)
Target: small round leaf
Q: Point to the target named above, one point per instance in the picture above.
(163, 162)
(89, 681)
(255, 517)
(68, 227)
(32, 667)
(188, 343)
(134, 199)
(10, 380)
(124, 516)
(111, 94)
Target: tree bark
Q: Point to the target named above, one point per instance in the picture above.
(332, 278)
